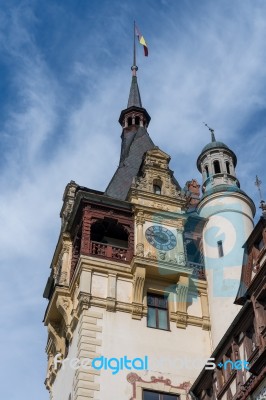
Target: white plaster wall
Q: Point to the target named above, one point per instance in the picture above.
(99, 285)
(230, 220)
(63, 384)
(195, 308)
(178, 354)
(124, 290)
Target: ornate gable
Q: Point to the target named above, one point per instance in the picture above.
(155, 178)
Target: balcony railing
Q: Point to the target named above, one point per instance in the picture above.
(109, 251)
(198, 270)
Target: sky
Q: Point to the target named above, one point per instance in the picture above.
(64, 79)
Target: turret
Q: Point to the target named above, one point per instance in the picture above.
(229, 212)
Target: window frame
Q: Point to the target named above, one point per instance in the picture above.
(157, 297)
(161, 394)
(220, 249)
(217, 167)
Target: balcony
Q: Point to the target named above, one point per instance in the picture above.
(198, 270)
(109, 251)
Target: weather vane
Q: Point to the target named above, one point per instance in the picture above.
(211, 130)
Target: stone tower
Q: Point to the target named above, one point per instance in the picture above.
(128, 280)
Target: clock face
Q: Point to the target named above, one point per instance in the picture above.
(160, 238)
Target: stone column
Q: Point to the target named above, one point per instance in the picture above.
(111, 292)
(181, 259)
(140, 242)
(182, 292)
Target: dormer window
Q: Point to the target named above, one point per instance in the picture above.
(156, 189)
(217, 168)
(157, 186)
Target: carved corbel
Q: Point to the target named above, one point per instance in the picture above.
(59, 341)
(182, 302)
(64, 306)
(138, 285)
(83, 302)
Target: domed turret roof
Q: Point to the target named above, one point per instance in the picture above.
(214, 144)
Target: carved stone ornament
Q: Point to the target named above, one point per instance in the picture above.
(140, 218)
(140, 250)
(64, 306)
(138, 285)
(132, 378)
(110, 304)
(151, 255)
(181, 259)
(137, 310)
(83, 302)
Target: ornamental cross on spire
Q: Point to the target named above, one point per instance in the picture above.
(212, 132)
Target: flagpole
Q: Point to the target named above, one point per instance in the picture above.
(134, 37)
(134, 67)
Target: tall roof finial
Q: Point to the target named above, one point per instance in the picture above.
(262, 202)
(212, 132)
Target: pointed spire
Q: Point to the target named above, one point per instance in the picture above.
(134, 95)
(134, 99)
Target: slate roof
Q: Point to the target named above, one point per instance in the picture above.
(134, 95)
(135, 143)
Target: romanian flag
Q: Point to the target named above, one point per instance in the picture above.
(141, 40)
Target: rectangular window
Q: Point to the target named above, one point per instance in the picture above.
(220, 248)
(157, 312)
(150, 395)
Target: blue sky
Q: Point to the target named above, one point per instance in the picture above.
(65, 77)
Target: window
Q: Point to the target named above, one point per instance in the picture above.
(137, 120)
(157, 186)
(220, 248)
(157, 312)
(149, 395)
(129, 121)
(217, 168)
(156, 189)
(207, 171)
(193, 251)
(227, 167)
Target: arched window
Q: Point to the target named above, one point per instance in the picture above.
(129, 121)
(207, 171)
(137, 120)
(157, 186)
(109, 232)
(217, 168)
(227, 164)
(156, 189)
